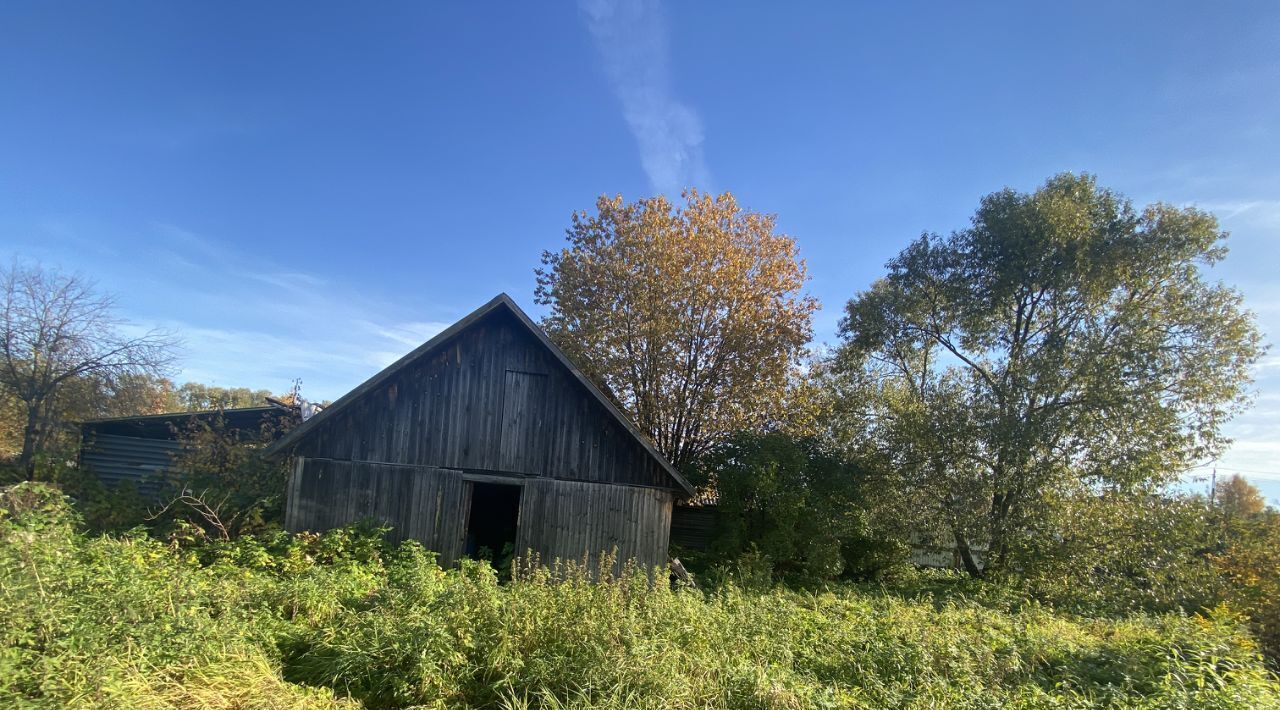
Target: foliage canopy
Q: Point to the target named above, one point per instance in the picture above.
(692, 317)
(806, 511)
(1065, 341)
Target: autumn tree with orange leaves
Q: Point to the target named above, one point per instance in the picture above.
(692, 317)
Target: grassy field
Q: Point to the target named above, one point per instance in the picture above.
(337, 620)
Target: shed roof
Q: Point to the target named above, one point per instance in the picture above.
(163, 425)
(499, 302)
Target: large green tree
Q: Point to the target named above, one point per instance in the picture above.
(1066, 342)
(692, 317)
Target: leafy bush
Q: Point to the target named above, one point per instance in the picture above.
(1122, 552)
(797, 508)
(222, 470)
(1247, 557)
(342, 619)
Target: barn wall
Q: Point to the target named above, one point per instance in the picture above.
(493, 399)
(140, 461)
(420, 503)
(558, 519)
(570, 519)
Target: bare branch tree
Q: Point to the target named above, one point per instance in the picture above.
(55, 328)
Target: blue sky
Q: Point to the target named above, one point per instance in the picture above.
(311, 189)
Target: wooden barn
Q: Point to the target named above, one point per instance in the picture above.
(486, 436)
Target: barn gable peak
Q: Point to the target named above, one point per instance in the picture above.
(501, 302)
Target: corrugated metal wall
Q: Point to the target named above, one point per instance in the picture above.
(138, 450)
(129, 459)
(695, 527)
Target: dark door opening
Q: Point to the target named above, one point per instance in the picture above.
(492, 524)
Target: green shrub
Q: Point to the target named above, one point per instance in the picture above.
(798, 505)
(341, 618)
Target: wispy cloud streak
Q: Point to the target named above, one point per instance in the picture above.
(632, 39)
(245, 321)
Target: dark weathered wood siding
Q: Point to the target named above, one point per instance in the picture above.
(492, 403)
(523, 448)
(452, 411)
(566, 520)
(419, 503)
(570, 520)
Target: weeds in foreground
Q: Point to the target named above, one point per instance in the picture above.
(342, 620)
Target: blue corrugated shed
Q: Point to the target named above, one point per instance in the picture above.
(140, 450)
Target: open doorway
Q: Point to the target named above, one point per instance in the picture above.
(492, 523)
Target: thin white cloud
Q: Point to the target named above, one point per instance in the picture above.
(412, 334)
(632, 39)
(381, 359)
(291, 280)
(299, 326)
(1260, 214)
(247, 322)
(1270, 362)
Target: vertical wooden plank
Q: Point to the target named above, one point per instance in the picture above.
(492, 430)
(529, 521)
(589, 523)
(421, 493)
(522, 448)
(564, 521)
(347, 484)
(358, 492)
(294, 500)
(431, 510)
(461, 518)
(445, 512)
(633, 519)
(325, 489)
(664, 529)
(334, 489)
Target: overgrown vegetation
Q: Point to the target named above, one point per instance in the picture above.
(340, 619)
(1025, 390)
(796, 509)
(222, 484)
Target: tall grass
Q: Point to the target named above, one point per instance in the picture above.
(337, 619)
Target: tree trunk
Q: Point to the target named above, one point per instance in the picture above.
(30, 438)
(966, 556)
(997, 551)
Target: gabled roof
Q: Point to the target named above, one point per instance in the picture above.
(501, 301)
